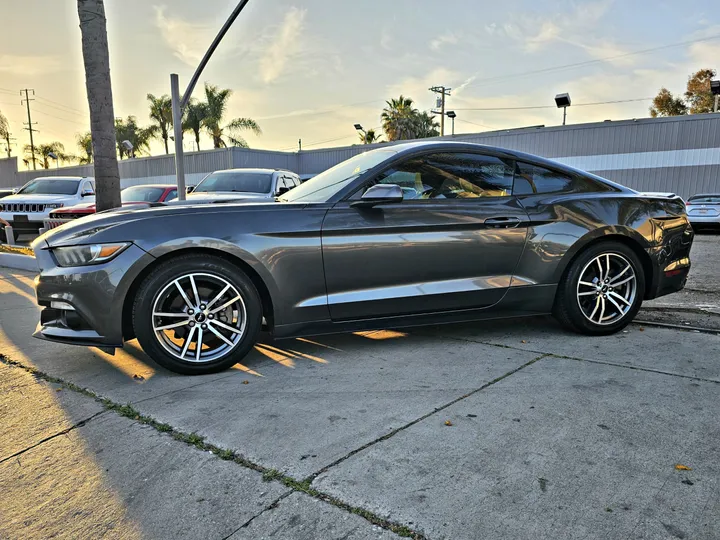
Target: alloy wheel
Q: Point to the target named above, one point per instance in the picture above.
(607, 289)
(199, 317)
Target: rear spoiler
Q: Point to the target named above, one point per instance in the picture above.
(660, 194)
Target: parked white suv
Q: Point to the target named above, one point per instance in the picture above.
(26, 209)
(244, 184)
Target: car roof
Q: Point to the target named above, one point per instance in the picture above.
(63, 178)
(252, 170)
(698, 195)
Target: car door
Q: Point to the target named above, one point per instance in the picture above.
(452, 243)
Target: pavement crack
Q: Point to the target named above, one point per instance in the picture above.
(394, 432)
(51, 437)
(271, 506)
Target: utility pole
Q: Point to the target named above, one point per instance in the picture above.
(29, 124)
(443, 91)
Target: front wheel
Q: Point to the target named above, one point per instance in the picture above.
(602, 290)
(197, 314)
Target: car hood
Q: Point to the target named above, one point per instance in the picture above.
(85, 231)
(37, 199)
(74, 208)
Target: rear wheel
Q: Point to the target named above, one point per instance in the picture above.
(197, 314)
(602, 290)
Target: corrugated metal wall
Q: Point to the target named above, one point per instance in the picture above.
(680, 154)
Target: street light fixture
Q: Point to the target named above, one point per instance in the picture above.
(53, 155)
(715, 89)
(452, 116)
(563, 102)
(127, 145)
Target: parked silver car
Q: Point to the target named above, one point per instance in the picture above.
(245, 184)
(704, 211)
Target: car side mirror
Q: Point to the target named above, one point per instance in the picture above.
(282, 190)
(15, 190)
(380, 194)
(87, 193)
(189, 189)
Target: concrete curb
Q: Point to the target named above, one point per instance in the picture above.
(18, 262)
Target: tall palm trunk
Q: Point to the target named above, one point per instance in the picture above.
(99, 92)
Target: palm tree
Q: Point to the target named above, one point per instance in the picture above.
(128, 130)
(402, 121)
(369, 136)
(216, 101)
(43, 151)
(5, 131)
(398, 119)
(84, 144)
(426, 126)
(93, 28)
(194, 120)
(161, 116)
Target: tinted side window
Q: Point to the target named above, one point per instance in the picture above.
(88, 186)
(171, 196)
(451, 176)
(531, 179)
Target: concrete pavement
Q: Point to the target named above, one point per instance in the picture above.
(512, 429)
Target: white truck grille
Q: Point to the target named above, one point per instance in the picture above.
(24, 208)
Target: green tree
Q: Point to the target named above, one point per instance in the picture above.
(129, 130)
(5, 132)
(398, 119)
(426, 126)
(369, 137)
(96, 57)
(161, 117)
(216, 101)
(84, 144)
(43, 151)
(698, 95)
(194, 120)
(666, 104)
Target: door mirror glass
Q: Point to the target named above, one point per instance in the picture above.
(281, 190)
(380, 194)
(189, 189)
(87, 193)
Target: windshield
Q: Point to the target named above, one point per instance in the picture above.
(323, 186)
(51, 187)
(705, 199)
(246, 182)
(141, 194)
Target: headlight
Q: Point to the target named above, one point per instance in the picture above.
(85, 255)
(54, 205)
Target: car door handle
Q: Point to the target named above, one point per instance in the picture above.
(508, 222)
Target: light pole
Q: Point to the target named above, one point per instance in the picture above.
(563, 102)
(452, 116)
(179, 102)
(715, 89)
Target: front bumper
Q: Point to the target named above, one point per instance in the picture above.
(84, 305)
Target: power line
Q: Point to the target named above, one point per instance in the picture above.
(85, 124)
(551, 106)
(492, 80)
(55, 105)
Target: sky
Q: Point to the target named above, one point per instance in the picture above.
(312, 69)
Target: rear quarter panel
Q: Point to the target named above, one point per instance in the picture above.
(561, 226)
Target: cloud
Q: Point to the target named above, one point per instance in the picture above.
(29, 65)
(417, 87)
(386, 39)
(188, 40)
(284, 47)
(445, 39)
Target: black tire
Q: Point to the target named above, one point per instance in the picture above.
(567, 309)
(171, 270)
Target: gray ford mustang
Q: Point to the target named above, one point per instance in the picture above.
(429, 232)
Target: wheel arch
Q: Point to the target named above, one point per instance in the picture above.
(260, 284)
(633, 243)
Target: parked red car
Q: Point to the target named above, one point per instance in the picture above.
(132, 196)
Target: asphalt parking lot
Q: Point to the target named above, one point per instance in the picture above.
(503, 430)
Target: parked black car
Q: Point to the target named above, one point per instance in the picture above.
(405, 235)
